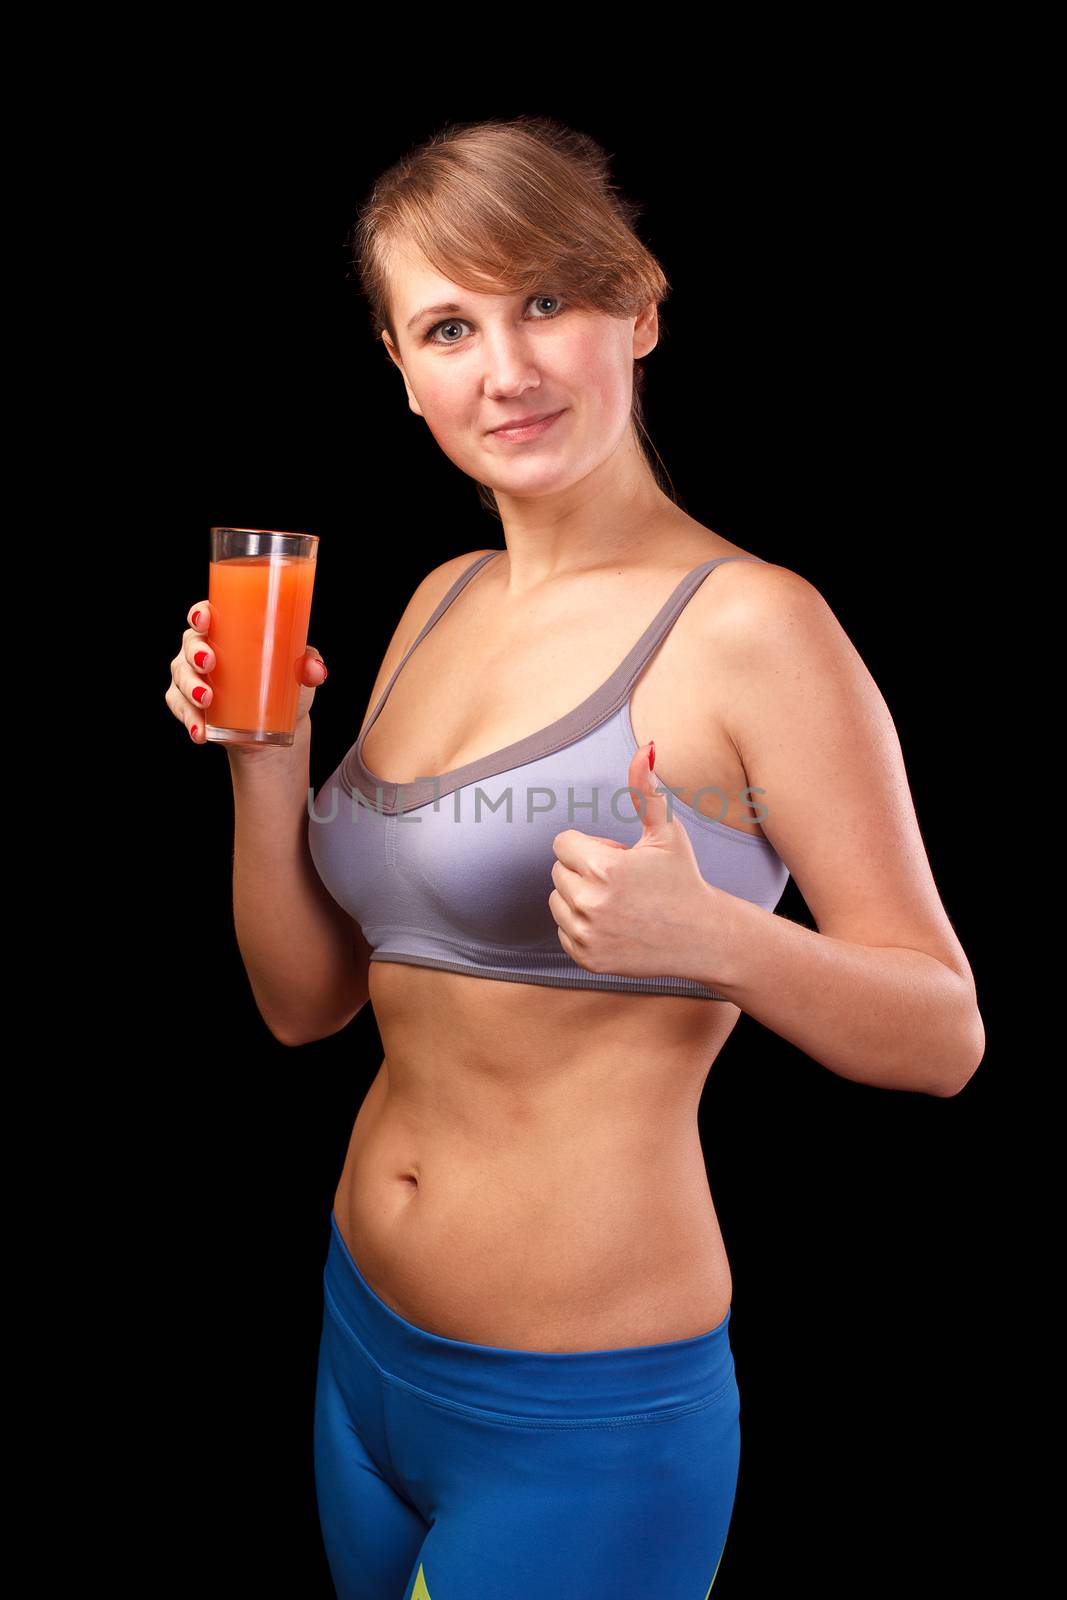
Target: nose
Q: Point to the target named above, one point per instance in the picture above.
(510, 367)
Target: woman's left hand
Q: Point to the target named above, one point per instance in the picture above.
(640, 910)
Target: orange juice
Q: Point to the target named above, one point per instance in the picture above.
(260, 611)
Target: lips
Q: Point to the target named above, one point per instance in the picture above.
(522, 422)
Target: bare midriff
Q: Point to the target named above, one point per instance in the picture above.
(526, 1169)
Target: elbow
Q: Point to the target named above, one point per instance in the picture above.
(293, 1039)
(287, 1034)
(286, 1037)
(970, 1057)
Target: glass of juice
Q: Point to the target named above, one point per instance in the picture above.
(259, 590)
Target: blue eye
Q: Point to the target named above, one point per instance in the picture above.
(428, 336)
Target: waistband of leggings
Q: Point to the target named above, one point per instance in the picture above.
(538, 1383)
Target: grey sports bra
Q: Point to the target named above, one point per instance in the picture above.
(443, 872)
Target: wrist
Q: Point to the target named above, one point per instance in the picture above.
(248, 754)
(723, 946)
(269, 763)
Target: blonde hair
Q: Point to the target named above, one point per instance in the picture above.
(503, 207)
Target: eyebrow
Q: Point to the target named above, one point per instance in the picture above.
(431, 311)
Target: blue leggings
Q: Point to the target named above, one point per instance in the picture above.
(454, 1471)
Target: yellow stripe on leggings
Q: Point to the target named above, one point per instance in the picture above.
(714, 1575)
(420, 1591)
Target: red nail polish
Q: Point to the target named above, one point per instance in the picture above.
(200, 658)
(196, 618)
(198, 694)
(192, 731)
(651, 756)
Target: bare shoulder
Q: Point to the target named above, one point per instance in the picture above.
(437, 582)
(428, 594)
(751, 607)
(747, 589)
(420, 607)
(816, 738)
(760, 613)
(778, 639)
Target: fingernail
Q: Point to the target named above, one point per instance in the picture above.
(199, 692)
(193, 732)
(196, 618)
(200, 658)
(651, 756)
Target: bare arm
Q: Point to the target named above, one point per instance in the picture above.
(883, 992)
(306, 959)
(895, 1017)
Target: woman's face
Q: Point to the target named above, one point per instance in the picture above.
(494, 358)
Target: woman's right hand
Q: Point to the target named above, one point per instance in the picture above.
(189, 693)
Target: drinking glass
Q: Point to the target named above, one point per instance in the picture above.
(259, 589)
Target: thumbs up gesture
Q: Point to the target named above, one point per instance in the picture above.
(640, 910)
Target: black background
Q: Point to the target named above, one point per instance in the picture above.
(818, 399)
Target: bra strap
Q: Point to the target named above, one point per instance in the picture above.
(434, 617)
(622, 680)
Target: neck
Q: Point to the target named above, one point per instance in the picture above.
(604, 519)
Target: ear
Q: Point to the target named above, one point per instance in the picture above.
(389, 345)
(646, 330)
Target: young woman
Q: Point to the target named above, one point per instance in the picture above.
(589, 764)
